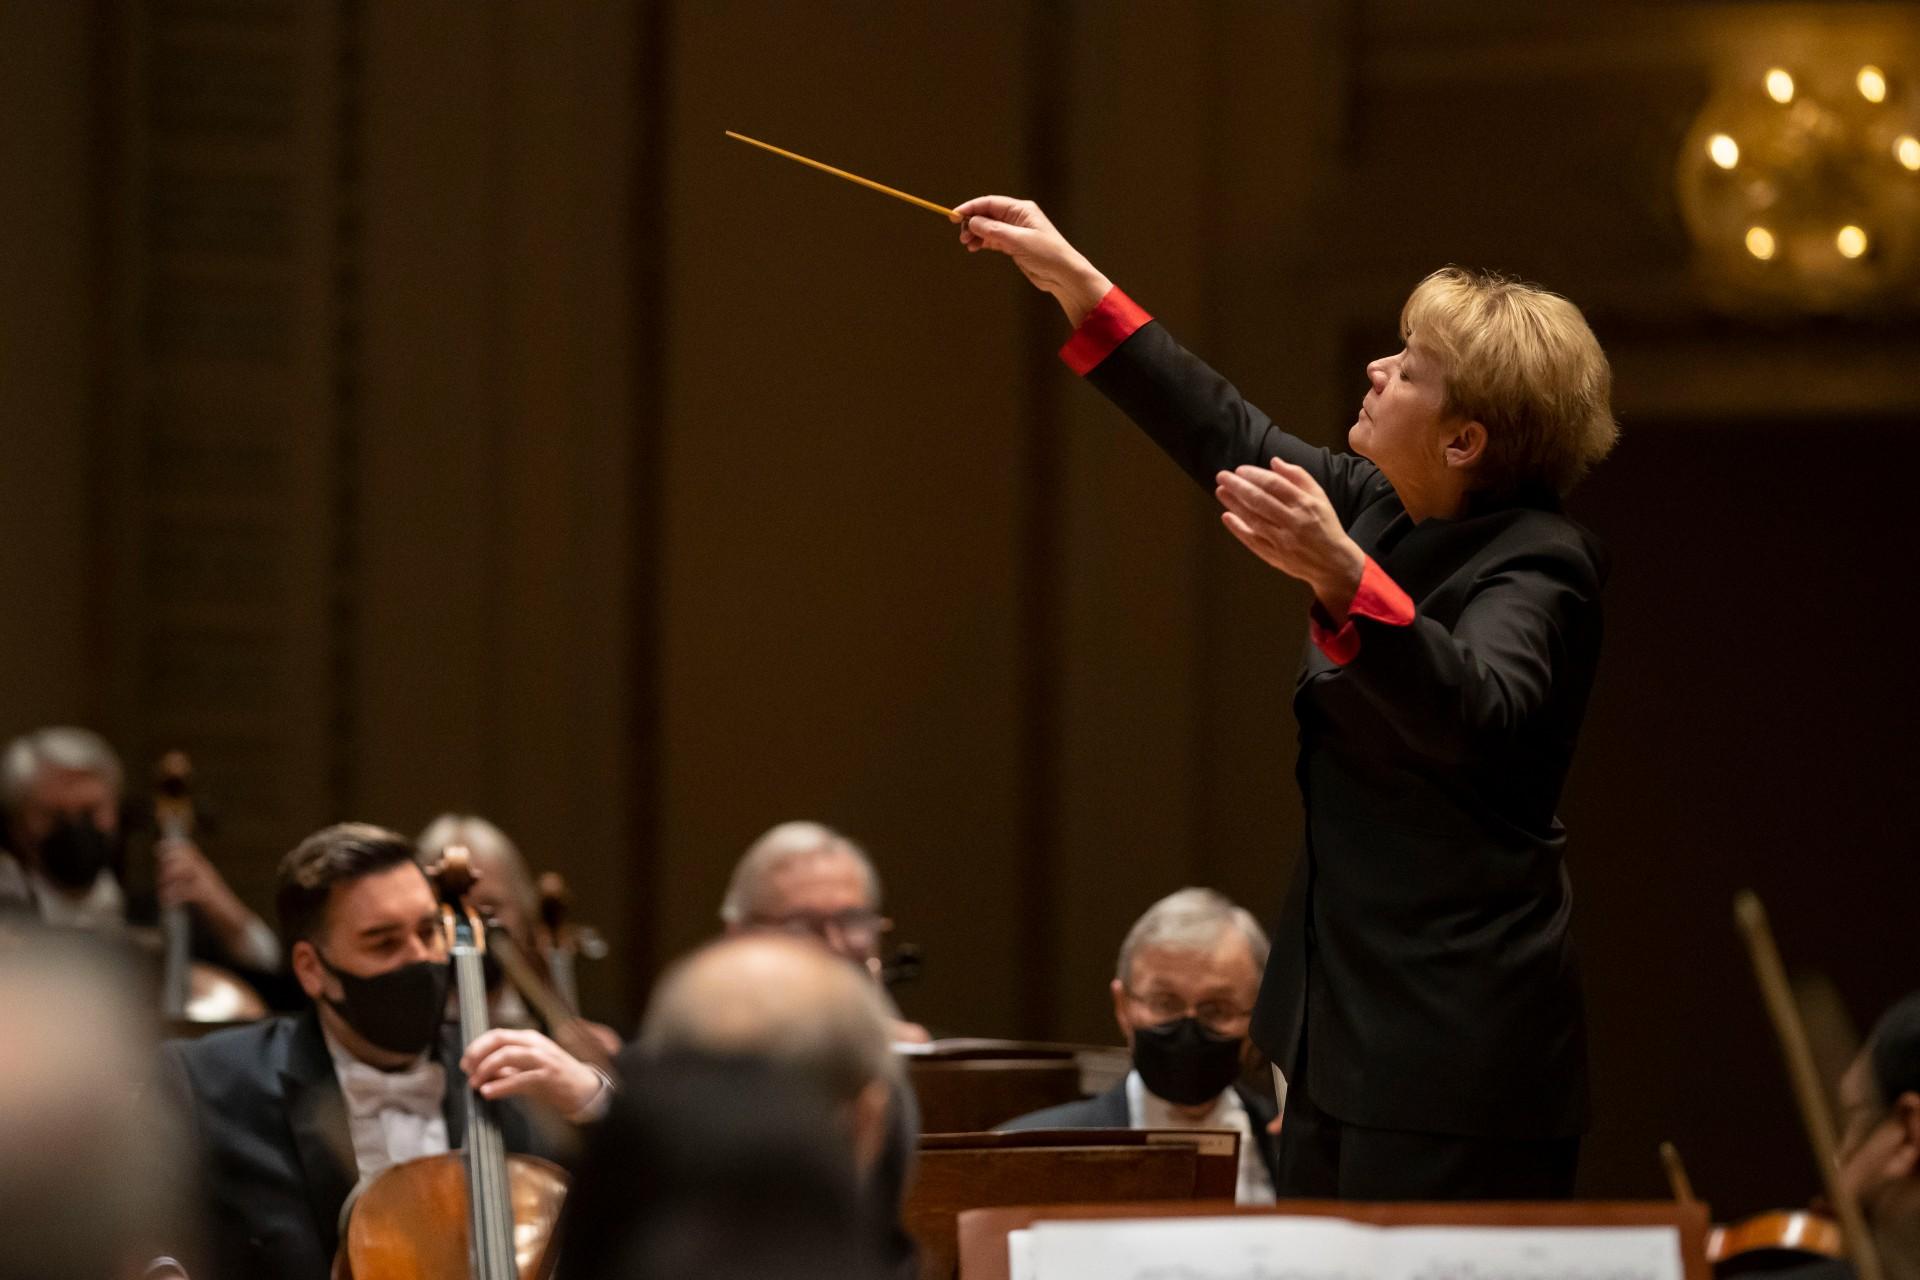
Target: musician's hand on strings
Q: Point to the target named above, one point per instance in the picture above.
(1020, 230)
(1281, 514)
(505, 1063)
(184, 878)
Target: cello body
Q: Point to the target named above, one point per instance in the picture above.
(388, 1237)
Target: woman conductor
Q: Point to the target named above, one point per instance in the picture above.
(1422, 993)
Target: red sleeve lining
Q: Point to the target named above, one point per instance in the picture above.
(1108, 325)
(1379, 599)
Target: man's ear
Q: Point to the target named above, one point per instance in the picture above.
(871, 1107)
(1120, 1011)
(1465, 444)
(308, 969)
(1906, 1114)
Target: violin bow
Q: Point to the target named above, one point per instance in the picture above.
(1791, 1031)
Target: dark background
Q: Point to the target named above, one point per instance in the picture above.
(415, 406)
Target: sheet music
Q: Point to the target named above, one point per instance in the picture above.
(1288, 1248)
(1020, 1255)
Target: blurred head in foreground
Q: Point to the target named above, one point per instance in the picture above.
(81, 1143)
(790, 1004)
(716, 1169)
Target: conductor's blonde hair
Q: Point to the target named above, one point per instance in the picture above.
(1521, 362)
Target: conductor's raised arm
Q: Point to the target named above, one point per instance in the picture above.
(1202, 422)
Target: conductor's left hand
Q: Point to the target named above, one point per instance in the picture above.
(504, 1063)
(1281, 514)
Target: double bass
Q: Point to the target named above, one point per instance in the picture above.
(191, 991)
(473, 1214)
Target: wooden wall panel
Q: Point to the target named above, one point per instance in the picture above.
(493, 530)
(48, 324)
(843, 484)
(229, 407)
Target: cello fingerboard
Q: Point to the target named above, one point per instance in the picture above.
(489, 1204)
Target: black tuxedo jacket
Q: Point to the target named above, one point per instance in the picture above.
(1423, 951)
(1109, 1111)
(269, 1124)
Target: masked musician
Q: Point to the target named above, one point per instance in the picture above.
(805, 878)
(62, 791)
(1422, 993)
(290, 1115)
(1183, 995)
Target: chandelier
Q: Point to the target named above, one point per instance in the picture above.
(1800, 188)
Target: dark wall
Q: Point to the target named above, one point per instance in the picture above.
(427, 407)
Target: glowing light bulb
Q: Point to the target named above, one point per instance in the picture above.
(1760, 243)
(1780, 86)
(1906, 149)
(1872, 83)
(1723, 150)
(1852, 241)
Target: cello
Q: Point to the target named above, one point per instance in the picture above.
(565, 939)
(473, 1214)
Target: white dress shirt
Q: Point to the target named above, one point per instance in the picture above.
(1146, 1111)
(392, 1115)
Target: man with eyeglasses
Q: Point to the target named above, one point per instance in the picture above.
(805, 878)
(1183, 995)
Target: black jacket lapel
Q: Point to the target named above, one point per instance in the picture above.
(317, 1116)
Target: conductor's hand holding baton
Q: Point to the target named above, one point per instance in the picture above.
(1277, 511)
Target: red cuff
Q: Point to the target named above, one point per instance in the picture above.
(1106, 327)
(1379, 599)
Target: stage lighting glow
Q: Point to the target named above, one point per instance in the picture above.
(1780, 86)
(1760, 243)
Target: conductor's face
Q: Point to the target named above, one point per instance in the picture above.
(1399, 420)
(1403, 428)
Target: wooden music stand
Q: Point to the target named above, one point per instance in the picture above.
(983, 1232)
(972, 1095)
(965, 1171)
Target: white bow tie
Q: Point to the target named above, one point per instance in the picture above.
(418, 1091)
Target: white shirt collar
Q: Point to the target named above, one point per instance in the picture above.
(1146, 1110)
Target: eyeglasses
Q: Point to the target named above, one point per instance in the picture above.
(1216, 1015)
(858, 928)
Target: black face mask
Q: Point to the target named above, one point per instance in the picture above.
(1184, 1062)
(75, 852)
(400, 1010)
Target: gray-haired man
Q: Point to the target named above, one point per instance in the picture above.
(808, 879)
(1183, 995)
(61, 790)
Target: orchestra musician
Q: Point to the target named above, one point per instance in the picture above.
(503, 895)
(1878, 1153)
(1183, 994)
(802, 877)
(1422, 995)
(792, 1005)
(62, 788)
(291, 1115)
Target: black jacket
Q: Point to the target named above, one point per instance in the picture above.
(269, 1124)
(1423, 948)
(1109, 1111)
